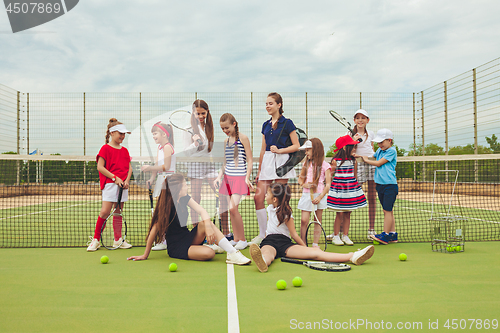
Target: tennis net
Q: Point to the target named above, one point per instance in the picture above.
(54, 201)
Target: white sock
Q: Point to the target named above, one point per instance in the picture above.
(226, 246)
(262, 220)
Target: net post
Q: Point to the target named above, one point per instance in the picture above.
(28, 134)
(360, 101)
(446, 125)
(307, 118)
(18, 135)
(84, 140)
(423, 139)
(140, 124)
(475, 123)
(414, 140)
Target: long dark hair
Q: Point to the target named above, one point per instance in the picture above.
(209, 124)
(279, 100)
(343, 154)
(283, 193)
(169, 195)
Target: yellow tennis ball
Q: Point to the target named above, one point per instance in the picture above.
(281, 284)
(449, 248)
(104, 259)
(403, 257)
(297, 281)
(458, 248)
(375, 242)
(172, 267)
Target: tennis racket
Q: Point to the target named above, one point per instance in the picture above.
(150, 191)
(217, 218)
(320, 265)
(181, 119)
(315, 233)
(115, 226)
(343, 122)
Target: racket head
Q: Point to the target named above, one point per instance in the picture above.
(343, 122)
(328, 266)
(181, 119)
(316, 234)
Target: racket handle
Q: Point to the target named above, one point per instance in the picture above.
(291, 261)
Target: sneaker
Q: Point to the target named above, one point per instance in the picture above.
(237, 258)
(257, 257)
(382, 238)
(371, 233)
(241, 245)
(232, 242)
(337, 241)
(394, 237)
(159, 247)
(346, 240)
(257, 240)
(216, 248)
(330, 237)
(93, 244)
(229, 236)
(124, 245)
(360, 256)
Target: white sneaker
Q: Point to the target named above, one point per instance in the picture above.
(330, 237)
(159, 247)
(124, 245)
(215, 247)
(370, 233)
(257, 257)
(232, 242)
(346, 240)
(363, 255)
(257, 240)
(93, 244)
(241, 245)
(337, 241)
(237, 258)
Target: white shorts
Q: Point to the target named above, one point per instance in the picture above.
(270, 162)
(201, 170)
(365, 172)
(110, 193)
(305, 202)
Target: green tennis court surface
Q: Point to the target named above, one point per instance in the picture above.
(69, 290)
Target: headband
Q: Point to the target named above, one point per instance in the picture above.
(162, 128)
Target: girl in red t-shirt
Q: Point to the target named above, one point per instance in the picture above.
(113, 164)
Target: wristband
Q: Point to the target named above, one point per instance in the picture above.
(113, 177)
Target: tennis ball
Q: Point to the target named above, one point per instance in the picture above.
(297, 281)
(458, 248)
(172, 267)
(375, 242)
(449, 248)
(104, 259)
(403, 257)
(281, 284)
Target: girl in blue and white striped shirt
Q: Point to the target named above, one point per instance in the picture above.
(234, 176)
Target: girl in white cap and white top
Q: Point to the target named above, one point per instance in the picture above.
(366, 172)
(113, 164)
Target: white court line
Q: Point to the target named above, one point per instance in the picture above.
(45, 211)
(233, 322)
(470, 218)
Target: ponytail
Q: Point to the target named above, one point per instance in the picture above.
(283, 193)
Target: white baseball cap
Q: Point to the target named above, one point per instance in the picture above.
(120, 128)
(363, 112)
(382, 135)
(307, 144)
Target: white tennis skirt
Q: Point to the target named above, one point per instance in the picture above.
(160, 179)
(110, 193)
(270, 162)
(305, 202)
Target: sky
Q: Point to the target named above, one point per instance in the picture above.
(236, 46)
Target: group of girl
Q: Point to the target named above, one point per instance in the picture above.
(168, 228)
